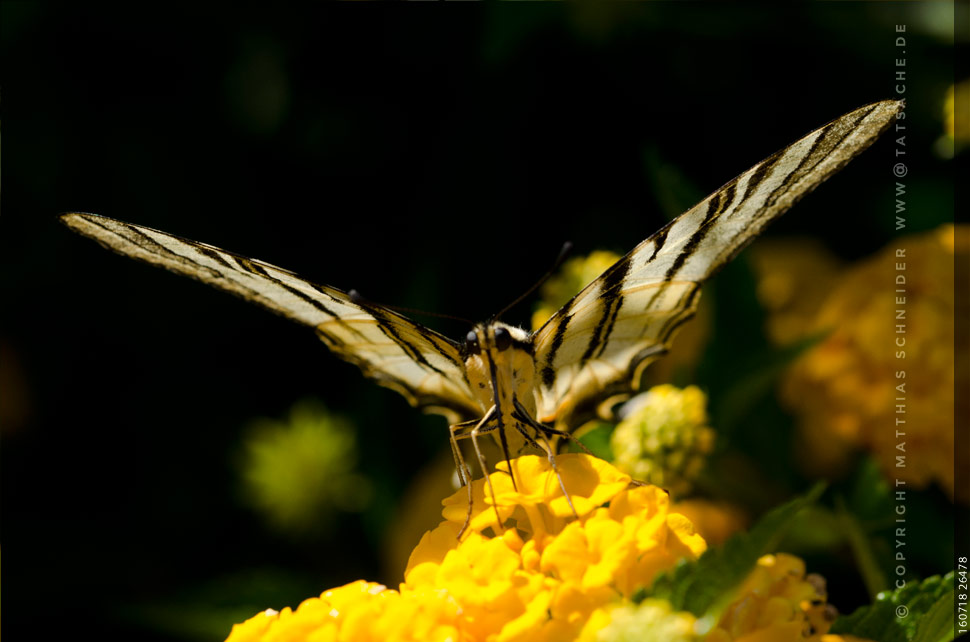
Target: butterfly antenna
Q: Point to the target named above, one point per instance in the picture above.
(359, 299)
(567, 247)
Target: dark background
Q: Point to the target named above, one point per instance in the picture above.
(434, 156)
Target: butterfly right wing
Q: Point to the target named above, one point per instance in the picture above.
(422, 365)
(595, 348)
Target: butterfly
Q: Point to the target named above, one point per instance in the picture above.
(535, 387)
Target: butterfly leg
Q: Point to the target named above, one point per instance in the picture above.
(455, 433)
(481, 462)
(458, 432)
(522, 415)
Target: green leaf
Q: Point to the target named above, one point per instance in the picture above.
(596, 437)
(918, 612)
(707, 586)
(936, 625)
(872, 575)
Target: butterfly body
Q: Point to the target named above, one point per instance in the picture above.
(499, 365)
(500, 369)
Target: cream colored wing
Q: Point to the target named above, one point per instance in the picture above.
(397, 353)
(597, 345)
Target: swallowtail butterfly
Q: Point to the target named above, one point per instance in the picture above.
(500, 379)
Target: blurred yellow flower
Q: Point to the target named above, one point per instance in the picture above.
(296, 472)
(573, 276)
(539, 575)
(715, 521)
(778, 602)
(794, 278)
(663, 438)
(956, 129)
(888, 358)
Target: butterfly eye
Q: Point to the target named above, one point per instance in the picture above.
(471, 343)
(502, 339)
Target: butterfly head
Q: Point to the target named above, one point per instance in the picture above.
(495, 338)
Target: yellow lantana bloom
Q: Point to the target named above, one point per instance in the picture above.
(777, 602)
(850, 389)
(539, 575)
(545, 574)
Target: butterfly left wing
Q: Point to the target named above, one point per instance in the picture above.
(422, 365)
(596, 347)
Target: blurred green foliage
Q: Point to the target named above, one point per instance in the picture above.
(296, 472)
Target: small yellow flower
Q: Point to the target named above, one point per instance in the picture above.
(847, 389)
(664, 439)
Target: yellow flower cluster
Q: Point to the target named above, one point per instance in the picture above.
(664, 438)
(848, 389)
(529, 569)
(778, 602)
(542, 574)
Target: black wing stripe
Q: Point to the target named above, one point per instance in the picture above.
(687, 305)
(548, 371)
(388, 329)
(797, 171)
(713, 209)
(659, 239)
(435, 340)
(757, 176)
(803, 167)
(215, 255)
(141, 239)
(258, 269)
(611, 301)
(617, 303)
